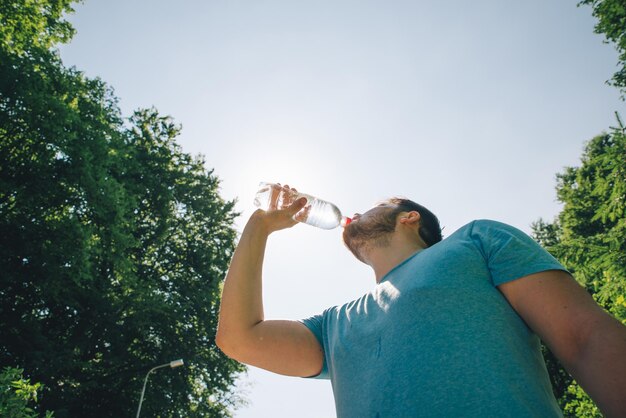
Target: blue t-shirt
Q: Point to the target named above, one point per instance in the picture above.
(436, 338)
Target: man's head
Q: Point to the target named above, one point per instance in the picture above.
(375, 228)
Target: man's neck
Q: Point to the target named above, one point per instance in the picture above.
(384, 259)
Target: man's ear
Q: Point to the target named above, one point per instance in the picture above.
(410, 218)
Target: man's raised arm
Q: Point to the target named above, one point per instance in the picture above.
(285, 347)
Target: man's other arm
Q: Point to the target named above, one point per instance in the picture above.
(589, 342)
(285, 347)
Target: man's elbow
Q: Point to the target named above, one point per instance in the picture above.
(228, 344)
(222, 340)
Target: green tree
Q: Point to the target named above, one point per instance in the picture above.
(611, 15)
(113, 242)
(16, 393)
(589, 238)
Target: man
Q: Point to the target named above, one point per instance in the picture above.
(451, 328)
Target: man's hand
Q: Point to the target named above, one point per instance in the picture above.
(284, 211)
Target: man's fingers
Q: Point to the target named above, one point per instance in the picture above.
(274, 195)
(303, 214)
(287, 197)
(297, 205)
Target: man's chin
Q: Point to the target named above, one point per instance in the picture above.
(355, 247)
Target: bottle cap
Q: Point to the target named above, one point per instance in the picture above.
(345, 221)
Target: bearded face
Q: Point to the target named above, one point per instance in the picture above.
(373, 229)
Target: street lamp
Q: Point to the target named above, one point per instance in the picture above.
(172, 364)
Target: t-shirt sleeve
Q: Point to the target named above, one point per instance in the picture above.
(510, 253)
(315, 324)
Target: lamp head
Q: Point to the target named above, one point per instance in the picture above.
(176, 363)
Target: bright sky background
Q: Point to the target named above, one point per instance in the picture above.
(469, 108)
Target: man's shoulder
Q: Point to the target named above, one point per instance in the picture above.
(492, 226)
(479, 230)
(479, 225)
(335, 311)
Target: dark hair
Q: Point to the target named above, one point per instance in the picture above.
(429, 230)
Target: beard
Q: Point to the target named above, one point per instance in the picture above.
(363, 235)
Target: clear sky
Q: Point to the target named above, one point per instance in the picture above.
(469, 108)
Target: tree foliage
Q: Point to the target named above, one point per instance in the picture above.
(113, 241)
(589, 238)
(16, 393)
(611, 15)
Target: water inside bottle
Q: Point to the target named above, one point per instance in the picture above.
(321, 214)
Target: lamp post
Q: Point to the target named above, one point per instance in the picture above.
(172, 364)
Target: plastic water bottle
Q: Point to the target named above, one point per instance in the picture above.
(317, 212)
